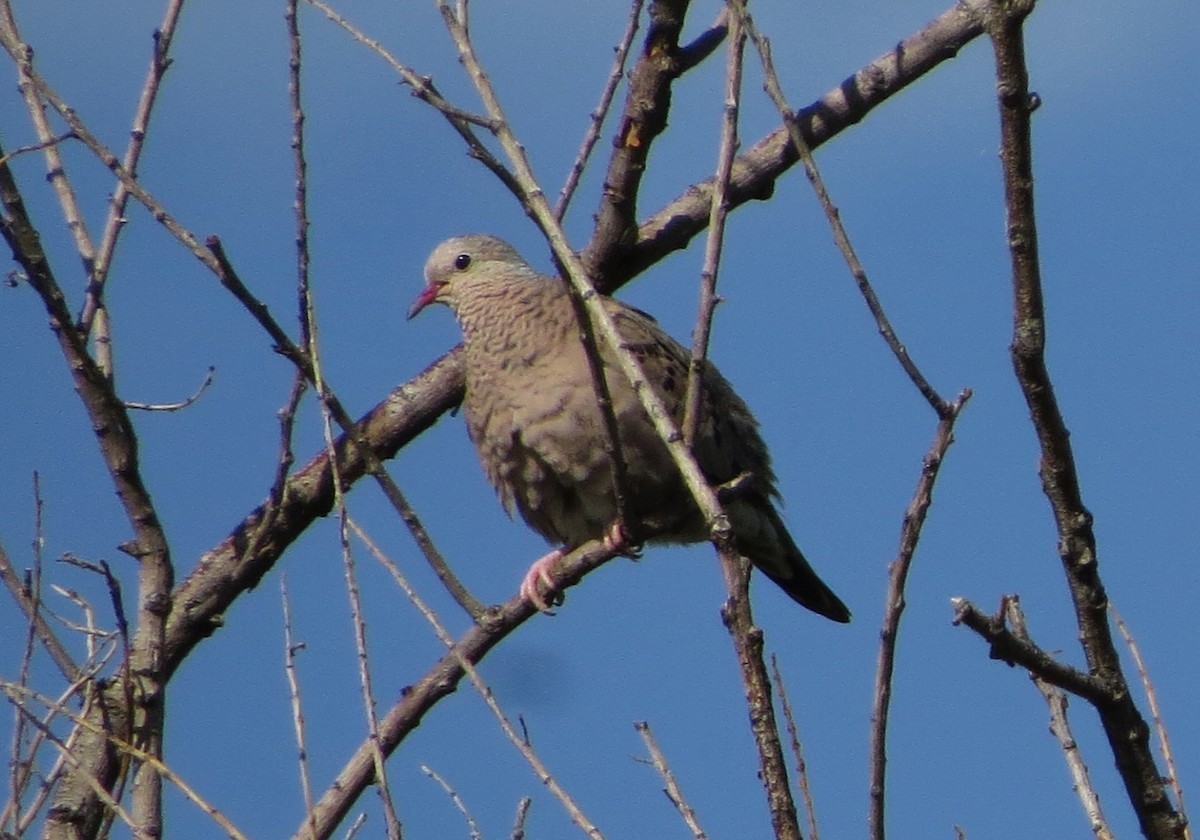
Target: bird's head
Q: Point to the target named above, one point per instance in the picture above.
(466, 264)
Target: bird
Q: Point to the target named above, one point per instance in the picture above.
(533, 415)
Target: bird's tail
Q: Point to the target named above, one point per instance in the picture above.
(764, 540)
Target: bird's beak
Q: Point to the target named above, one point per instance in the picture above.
(428, 295)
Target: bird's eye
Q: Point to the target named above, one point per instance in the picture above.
(462, 261)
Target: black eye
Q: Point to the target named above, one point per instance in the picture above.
(462, 261)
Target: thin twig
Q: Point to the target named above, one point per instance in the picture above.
(424, 89)
(21, 767)
(391, 819)
(47, 781)
(354, 828)
(840, 237)
(308, 332)
(1160, 728)
(672, 789)
(1008, 647)
(518, 830)
(355, 432)
(716, 233)
(17, 695)
(35, 147)
(521, 743)
(31, 607)
(600, 112)
(472, 826)
(797, 751)
(94, 309)
(1060, 727)
(894, 603)
(56, 170)
(176, 406)
(289, 667)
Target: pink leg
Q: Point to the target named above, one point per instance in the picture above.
(614, 537)
(539, 572)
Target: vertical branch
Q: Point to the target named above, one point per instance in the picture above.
(308, 330)
(910, 534)
(1127, 732)
(716, 229)
(94, 310)
(289, 667)
(643, 119)
(748, 645)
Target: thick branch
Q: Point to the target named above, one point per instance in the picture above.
(1127, 732)
(756, 170)
(642, 120)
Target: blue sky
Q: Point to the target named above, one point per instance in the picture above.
(918, 185)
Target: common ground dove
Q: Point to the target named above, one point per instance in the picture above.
(532, 413)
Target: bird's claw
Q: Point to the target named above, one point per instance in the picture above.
(617, 541)
(539, 573)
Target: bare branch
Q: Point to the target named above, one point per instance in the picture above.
(438, 682)
(1127, 732)
(520, 742)
(518, 831)
(834, 217)
(797, 752)
(599, 113)
(716, 232)
(643, 118)
(1060, 727)
(1014, 649)
(93, 307)
(175, 406)
(290, 648)
(29, 604)
(17, 696)
(1160, 729)
(472, 826)
(755, 171)
(910, 534)
(35, 147)
(672, 789)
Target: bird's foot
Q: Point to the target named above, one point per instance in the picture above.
(539, 573)
(617, 541)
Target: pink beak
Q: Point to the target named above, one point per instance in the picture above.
(428, 295)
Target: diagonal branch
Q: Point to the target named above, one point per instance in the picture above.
(438, 682)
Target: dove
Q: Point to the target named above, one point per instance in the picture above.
(532, 412)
